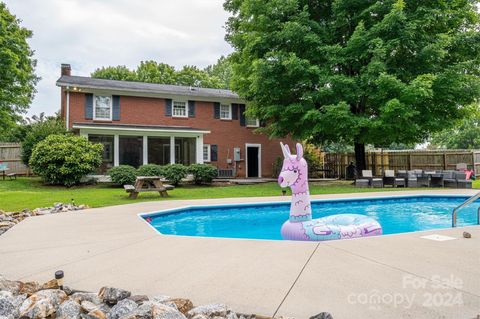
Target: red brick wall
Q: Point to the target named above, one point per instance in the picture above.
(227, 134)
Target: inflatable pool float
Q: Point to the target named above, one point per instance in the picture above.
(300, 225)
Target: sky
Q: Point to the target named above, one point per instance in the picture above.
(92, 33)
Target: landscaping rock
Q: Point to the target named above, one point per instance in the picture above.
(86, 296)
(467, 235)
(42, 304)
(30, 288)
(322, 315)
(113, 295)
(12, 286)
(10, 219)
(139, 299)
(8, 308)
(95, 314)
(51, 284)
(161, 298)
(210, 311)
(88, 306)
(122, 308)
(160, 311)
(142, 312)
(69, 310)
(183, 305)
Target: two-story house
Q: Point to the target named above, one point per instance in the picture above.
(144, 123)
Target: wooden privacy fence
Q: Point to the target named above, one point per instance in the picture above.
(10, 154)
(378, 161)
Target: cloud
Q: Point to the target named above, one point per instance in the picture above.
(94, 33)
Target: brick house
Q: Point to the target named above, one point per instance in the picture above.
(141, 123)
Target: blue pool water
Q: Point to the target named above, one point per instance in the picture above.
(263, 221)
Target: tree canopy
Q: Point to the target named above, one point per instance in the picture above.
(464, 135)
(356, 71)
(17, 70)
(213, 76)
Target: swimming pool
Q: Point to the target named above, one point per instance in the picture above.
(396, 214)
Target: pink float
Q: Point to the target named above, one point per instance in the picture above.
(300, 225)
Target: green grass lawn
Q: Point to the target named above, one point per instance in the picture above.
(31, 193)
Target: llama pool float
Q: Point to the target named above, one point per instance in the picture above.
(300, 225)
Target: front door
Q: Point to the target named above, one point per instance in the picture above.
(253, 158)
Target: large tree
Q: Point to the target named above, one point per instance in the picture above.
(17, 70)
(356, 71)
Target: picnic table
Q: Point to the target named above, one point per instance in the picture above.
(4, 171)
(148, 184)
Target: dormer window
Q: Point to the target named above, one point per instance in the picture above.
(102, 108)
(225, 111)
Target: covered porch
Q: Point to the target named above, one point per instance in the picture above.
(138, 145)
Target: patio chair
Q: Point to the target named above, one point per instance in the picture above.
(461, 167)
(436, 179)
(390, 179)
(364, 181)
(449, 179)
(412, 180)
(374, 181)
(462, 181)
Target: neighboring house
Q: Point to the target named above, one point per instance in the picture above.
(141, 123)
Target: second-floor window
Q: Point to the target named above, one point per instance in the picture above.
(179, 109)
(103, 107)
(252, 122)
(225, 111)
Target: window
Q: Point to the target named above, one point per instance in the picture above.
(185, 150)
(159, 150)
(225, 112)
(179, 109)
(252, 122)
(206, 153)
(103, 107)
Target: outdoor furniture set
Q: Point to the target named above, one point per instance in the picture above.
(415, 178)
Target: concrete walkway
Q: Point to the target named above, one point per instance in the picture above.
(394, 276)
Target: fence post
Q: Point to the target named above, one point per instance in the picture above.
(444, 161)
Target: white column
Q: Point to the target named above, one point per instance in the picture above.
(200, 149)
(67, 111)
(116, 147)
(172, 149)
(145, 150)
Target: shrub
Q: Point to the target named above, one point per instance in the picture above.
(203, 173)
(150, 170)
(37, 132)
(65, 159)
(123, 174)
(174, 173)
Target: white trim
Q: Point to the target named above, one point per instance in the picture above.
(256, 125)
(95, 107)
(145, 149)
(172, 149)
(116, 150)
(229, 111)
(67, 111)
(259, 146)
(139, 129)
(186, 109)
(199, 149)
(209, 152)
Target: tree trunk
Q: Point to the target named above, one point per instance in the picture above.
(360, 162)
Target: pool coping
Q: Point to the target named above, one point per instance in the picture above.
(112, 246)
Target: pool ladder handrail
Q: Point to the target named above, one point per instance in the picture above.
(465, 203)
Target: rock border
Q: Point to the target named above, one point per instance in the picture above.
(10, 219)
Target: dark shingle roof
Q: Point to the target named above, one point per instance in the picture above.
(141, 87)
(140, 126)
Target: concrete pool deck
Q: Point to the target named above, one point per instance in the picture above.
(393, 276)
